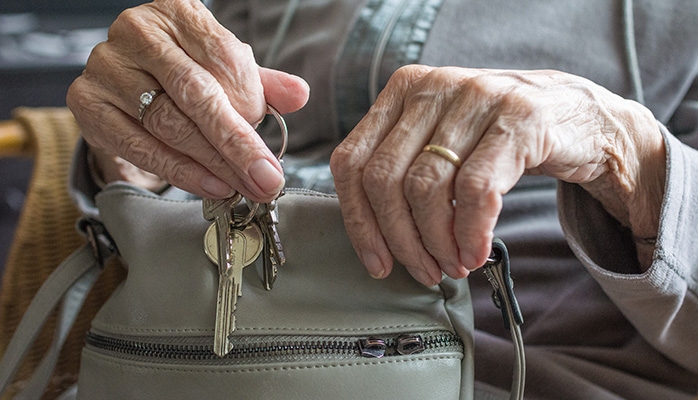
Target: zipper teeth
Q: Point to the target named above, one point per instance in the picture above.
(300, 190)
(272, 348)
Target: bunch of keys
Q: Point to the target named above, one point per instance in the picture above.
(233, 242)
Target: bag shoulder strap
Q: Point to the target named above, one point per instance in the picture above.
(70, 282)
(498, 271)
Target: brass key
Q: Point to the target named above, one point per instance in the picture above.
(244, 246)
(221, 213)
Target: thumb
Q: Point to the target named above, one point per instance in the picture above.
(285, 92)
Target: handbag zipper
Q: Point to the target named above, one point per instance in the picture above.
(284, 348)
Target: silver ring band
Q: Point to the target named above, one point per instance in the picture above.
(147, 99)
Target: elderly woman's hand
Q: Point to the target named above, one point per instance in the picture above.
(397, 198)
(199, 134)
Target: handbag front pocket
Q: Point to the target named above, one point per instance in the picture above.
(408, 365)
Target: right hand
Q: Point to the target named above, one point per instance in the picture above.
(199, 135)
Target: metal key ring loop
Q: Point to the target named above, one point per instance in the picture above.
(254, 206)
(284, 130)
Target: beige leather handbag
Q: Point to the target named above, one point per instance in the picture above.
(326, 330)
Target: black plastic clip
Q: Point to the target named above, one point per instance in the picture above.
(498, 271)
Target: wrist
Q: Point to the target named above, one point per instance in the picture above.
(632, 189)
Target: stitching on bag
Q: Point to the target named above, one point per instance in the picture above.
(345, 329)
(273, 329)
(121, 193)
(313, 194)
(122, 364)
(144, 196)
(119, 329)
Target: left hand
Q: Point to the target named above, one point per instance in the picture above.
(399, 201)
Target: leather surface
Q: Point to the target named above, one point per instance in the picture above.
(323, 289)
(420, 378)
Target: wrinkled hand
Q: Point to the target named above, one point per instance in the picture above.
(200, 134)
(397, 199)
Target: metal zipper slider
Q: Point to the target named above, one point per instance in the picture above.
(372, 347)
(409, 344)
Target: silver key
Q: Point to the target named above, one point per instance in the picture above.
(273, 251)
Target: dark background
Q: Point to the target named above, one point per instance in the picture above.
(43, 47)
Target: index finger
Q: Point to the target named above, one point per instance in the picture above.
(347, 164)
(220, 91)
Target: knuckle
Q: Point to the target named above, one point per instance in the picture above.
(237, 147)
(407, 73)
(177, 174)
(475, 187)
(403, 73)
(340, 159)
(241, 49)
(128, 22)
(168, 167)
(406, 76)
(84, 101)
(216, 164)
(97, 57)
(379, 175)
(517, 103)
(345, 162)
(75, 94)
(198, 96)
(479, 85)
(519, 120)
(138, 156)
(421, 182)
(166, 122)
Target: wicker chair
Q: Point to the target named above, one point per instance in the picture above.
(44, 236)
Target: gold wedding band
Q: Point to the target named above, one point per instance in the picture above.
(147, 99)
(445, 153)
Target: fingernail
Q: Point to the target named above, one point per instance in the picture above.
(459, 270)
(425, 278)
(468, 261)
(216, 187)
(373, 264)
(266, 176)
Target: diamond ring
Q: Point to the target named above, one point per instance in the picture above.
(147, 99)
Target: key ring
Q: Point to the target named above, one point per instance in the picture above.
(254, 206)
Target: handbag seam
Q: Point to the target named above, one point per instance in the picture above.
(123, 193)
(219, 370)
(106, 327)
